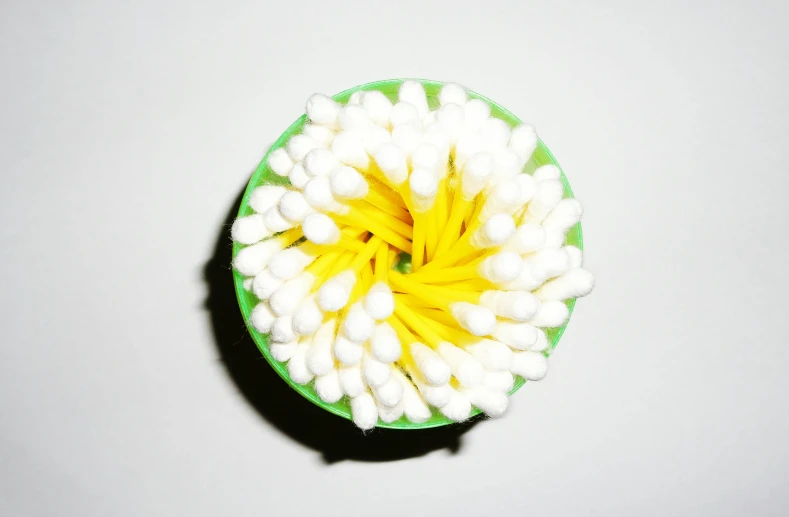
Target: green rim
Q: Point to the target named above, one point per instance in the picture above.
(264, 176)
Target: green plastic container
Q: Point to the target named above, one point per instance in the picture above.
(264, 176)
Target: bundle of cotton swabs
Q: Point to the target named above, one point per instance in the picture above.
(373, 180)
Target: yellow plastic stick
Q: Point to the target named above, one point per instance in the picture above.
(451, 274)
(431, 235)
(405, 284)
(366, 255)
(381, 262)
(413, 320)
(452, 231)
(376, 199)
(403, 228)
(418, 254)
(356, 218)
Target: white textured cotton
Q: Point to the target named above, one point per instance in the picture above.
(328, 387)
(347, 183)
(275, 222)
(358, 325)
(566, 214)
(250, 229)
(282, 330)
(319, 356)
(517, 335)
(414, 406)
(375, 372)
(253, 259)
(321, 134)
(318, 194)
(547, 195)
(379, 301)
(324, 111)
(307, 317)
(364, 412)
(392, 162)
(265, 197)
(573, 284)
(547, 172)
(499, 380)
(290, 294)
(477, 114)
(289, 263)
(458, 408)
(475, 174)
(386, 414)
(320, 162)
(516, 305)
(551, 314)
(532, 366)
(320, 229)
(414, 92)
(466, 369)
(495, 134)
(503, 199)
(576, 256)
(335, 292)
(262, 318)
(265, 284)
(527, 238)
(247, 284)
(452, 93)
(384, 343)
(424, 187)
(377, 107)
(282, 352)
(542, 342)
(390, 393)
(494, 232)
(346, 351)
(490, 401)
(407, 138)
(351, 380)
(354, 119)
(478, 320)
(298, 146)
(502, 267)
(434, 369)
(523, 140)
(297, 365)
(294, 206)
(349, 149)
(280, 162)
(493, 355)
(298, 176)
(404, 113)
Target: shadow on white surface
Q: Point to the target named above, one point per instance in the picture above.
(335, 438)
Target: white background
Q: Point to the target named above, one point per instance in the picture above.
(128, 130)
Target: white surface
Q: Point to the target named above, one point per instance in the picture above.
(128, 131)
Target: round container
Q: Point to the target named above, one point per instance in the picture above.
(264, 176)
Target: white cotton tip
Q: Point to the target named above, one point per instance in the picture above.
(392, 162)
(434, 369)
(294, 207)
(375, 372)
(532, 276)
(388, 414)
(374, 138)
(551, 314)
(523, 140)
(298, 176)
(517, 335)
(526, 187)
(466, 369)
(321, 134)
(355, 99)
(335, 292)
(328, 387)
(282, 330)
(566, 214)
(298, 146)
(377, 107)
(262, 318)
(407, 138)
(452, 93)
(297, 366)
(320, 162)
(515, 305)
(324, 111)
(414, 92)
(507, 165)
(403, 114)
(547, 195)
(493, 355)
(275, 222)
(532, 366)
(347, 183)
(320, 229)
(527, 238)
(265, 284)
(495, 134)
(494, 232)
(349, 149)
(467, 145)
(390, 393)
(547, 172)
(308, 317)
(542, 342)
(450, 119)
(290, 294)
(477, 171)
(351, 380)
(265, 197)
(414, 406)
(282, 352)
(280, 162)
(425, 156)
(458, 408)
(573, 284)
(477, 114)
(440, 138)
(478, 320)
(499, 380)
(364, 412)
(289, 263)
(358, 325)
(437, 396)
(551, 261)
(353, 118)
(429, 119)
(505, 198)
(253, 259)
(502, 267)
(379, 301)
(247, 284)
(346, 351)
(576, 256)
(318, 194)
(492, 402)
(384, 343)
(250, 229)
(424, 187)
(320, 360)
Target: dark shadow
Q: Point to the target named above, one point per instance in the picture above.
(334, 437)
